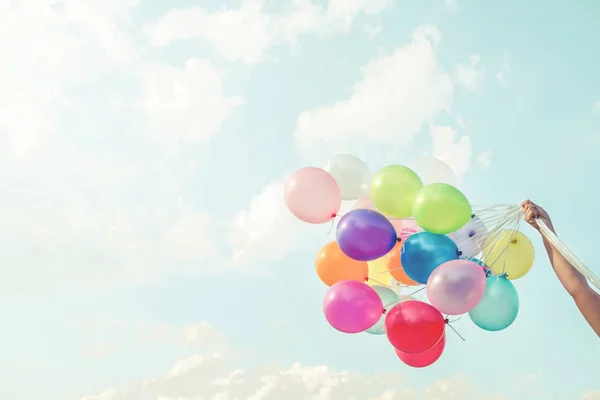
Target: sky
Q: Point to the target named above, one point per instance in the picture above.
(146, 250)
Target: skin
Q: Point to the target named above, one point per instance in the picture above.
(586, 299)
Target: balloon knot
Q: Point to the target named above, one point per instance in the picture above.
(505, 275)
(334, 215)
(446, 321)
(366, 279)
(459, 253)
(473, 215)
(398, 239)
(384, 311)
(513, 241)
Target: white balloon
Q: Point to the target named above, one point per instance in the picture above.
(433, 170)
(351, 174)
(469, 238)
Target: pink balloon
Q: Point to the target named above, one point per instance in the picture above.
(426, 358)
(313, 195)
(456, 286)
(352, 306)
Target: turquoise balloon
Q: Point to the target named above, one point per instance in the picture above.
(388, 298)
(499, 306)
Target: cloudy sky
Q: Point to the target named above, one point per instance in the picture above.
(146, 251)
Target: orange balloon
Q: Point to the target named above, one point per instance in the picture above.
(334, 266)
(394, 266)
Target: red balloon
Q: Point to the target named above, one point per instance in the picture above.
(414, 326)
(426, 358)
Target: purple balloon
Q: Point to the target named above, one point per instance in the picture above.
(352, 307)
(456, 287)
(365, 235)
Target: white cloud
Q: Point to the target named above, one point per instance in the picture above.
(398, 93)
(485, 159)
(470, 74)
(591, 395)
(452, 4)
(373, 30)
(266, 229)
(215, 376)
(185, 104)
(71, 210)
(248, 32)
(453, 150)
(56, 48)
(504, 68)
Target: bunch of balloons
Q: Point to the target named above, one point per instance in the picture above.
(407, 229)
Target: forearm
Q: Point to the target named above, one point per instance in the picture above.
(568, 276)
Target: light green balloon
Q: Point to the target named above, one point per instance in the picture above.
(441, 208)
(394, 189)
(389, 298)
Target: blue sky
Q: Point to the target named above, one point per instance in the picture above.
(144, 150)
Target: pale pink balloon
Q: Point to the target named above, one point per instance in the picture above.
(313, 195)
(365, 203)
(409, 227)
(456, 287)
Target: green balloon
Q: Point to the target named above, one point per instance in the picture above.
(441, 208)
(394, 189)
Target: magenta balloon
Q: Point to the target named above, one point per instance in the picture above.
(313, 195)
(456, 287)
(352, 307)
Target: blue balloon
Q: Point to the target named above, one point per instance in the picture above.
(389, 298)
(425, 251)
(365, 235)
(499, 305)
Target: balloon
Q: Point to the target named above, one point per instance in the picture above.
(441, 208)
(469, 238)
(333, 266)
(352, 307)
(425, 358)
(499, 306)
(392, 264)
(378, 274)
(409, 227)
(414, 326)
(351, 174)
(481, 264)
(433, 170)
(367, 204)
(312, 195)
(394, 189)
(365, 235)
(456, 286)
(511, 254)
(389, 298)
(423, 252)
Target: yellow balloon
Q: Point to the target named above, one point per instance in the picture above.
(378, 272)
(512, 254)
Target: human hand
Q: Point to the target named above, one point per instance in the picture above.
(533, 212)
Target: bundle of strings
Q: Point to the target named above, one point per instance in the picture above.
(568, 254)
(490, 231)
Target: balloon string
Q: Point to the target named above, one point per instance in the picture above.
(331, 226)
(455, 331)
